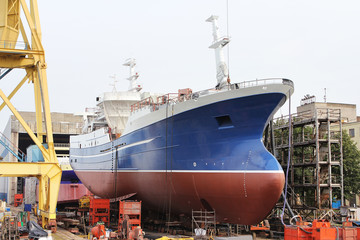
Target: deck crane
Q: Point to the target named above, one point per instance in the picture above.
(30, 56)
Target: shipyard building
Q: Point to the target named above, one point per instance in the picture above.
(17, 140)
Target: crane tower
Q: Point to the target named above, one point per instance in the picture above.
(29, 55)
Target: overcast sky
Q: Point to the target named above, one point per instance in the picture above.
(314, 43)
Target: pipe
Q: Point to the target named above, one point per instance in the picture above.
(5, 73)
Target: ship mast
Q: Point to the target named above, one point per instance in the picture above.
(222, 73)
(133, 86)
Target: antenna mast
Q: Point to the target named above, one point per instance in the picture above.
(222, 73)
(133, 86)
(114, 83)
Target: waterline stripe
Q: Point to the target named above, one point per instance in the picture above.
(184, 171)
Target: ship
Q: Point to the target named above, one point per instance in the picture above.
(186, 151)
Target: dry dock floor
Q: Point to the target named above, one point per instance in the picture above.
(62, 234)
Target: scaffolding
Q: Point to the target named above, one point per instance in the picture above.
(205, 221)
(316, 158)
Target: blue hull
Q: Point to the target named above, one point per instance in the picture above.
(222, 136)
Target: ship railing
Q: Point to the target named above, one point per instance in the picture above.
(180, 97)
(14, 45)
(167, 98)
(161, 100)
(260, 82)
(147, 102)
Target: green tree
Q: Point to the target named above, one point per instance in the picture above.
(351, 160)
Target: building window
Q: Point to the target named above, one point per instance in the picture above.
(352, 132)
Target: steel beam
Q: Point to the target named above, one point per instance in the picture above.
(17, 62)
(28, 169)
(49, 175)
(15, 90)
(20, 52)
(37, 42)
(25, 126)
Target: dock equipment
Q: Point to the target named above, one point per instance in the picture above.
(30, 56)
(132, 209)
(9, 228)
(321, 230)
(84, 201)
(98, 231)
(99, 211)
(18, 199)
(263, 228)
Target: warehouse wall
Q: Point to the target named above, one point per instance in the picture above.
(4, 181)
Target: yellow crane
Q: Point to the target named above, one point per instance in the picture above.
(30, 56)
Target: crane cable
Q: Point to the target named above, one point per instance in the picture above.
(288, 162)
(227, 33)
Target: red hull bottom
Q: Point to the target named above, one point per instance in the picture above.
(72, 192)
(241, 198)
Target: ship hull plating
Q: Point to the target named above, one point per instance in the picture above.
(236, 197)
(210, 157)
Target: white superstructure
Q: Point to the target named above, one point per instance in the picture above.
(113, 108)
